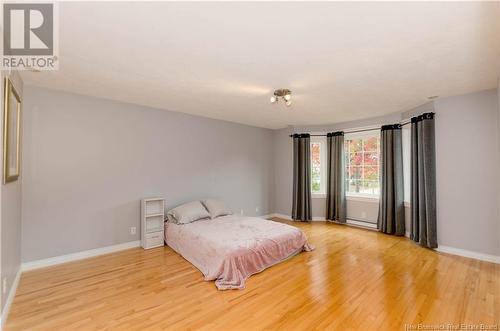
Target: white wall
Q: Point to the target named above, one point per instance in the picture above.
(467, 147)
(283, 171)
(10, 207)
(88, 161)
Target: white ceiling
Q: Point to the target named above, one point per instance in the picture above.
(342, 61)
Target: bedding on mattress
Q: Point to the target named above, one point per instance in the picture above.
(231, 248)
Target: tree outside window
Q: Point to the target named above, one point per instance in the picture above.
(362, 165)
(316, 167)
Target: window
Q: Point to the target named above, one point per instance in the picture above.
(406, 138)
(318, 166)
(362, 164)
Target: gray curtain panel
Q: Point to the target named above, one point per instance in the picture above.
(423, 181)
(301, 208)
(391, 214)
(335, 189)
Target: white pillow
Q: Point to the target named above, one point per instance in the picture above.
(187, 213)
(216, 208)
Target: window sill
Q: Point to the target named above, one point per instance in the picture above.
(355, 198)
(348, 197)
(362, 198)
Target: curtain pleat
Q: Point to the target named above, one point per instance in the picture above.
(423, 181)
(301, 207)
(391, 216)
(335, 189)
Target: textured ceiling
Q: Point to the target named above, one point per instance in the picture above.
(342, 60)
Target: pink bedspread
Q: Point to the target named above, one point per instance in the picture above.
(231, 248)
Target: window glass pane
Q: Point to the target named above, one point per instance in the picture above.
(370, 158)
(354, 185)
(316, 154)
(315, 167)
(369, 187)
(316, 182)
(355, 172)
(356, 159)
(371, 144)
(347, 160)
(355, 145)
(407, 162)
(370, 173)
(362, 165)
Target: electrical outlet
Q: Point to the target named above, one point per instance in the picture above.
(257, 209)
(133, 230)
(4, 285)
(241, 211)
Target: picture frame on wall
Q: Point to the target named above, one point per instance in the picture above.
(11, 133)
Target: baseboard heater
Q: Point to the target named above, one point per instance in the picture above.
(364, 223)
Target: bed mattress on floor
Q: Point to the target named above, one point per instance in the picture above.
(229, 249)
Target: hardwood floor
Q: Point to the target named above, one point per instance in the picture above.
(354, 280)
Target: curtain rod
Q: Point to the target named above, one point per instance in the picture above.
(356, 131)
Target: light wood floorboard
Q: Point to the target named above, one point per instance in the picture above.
(355, 280)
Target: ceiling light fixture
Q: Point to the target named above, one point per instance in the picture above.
(284, 94)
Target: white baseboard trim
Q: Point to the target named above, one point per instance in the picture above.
(10, 299)
(78, 256)
(469, 254)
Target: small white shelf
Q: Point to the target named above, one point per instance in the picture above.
(152, 226)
